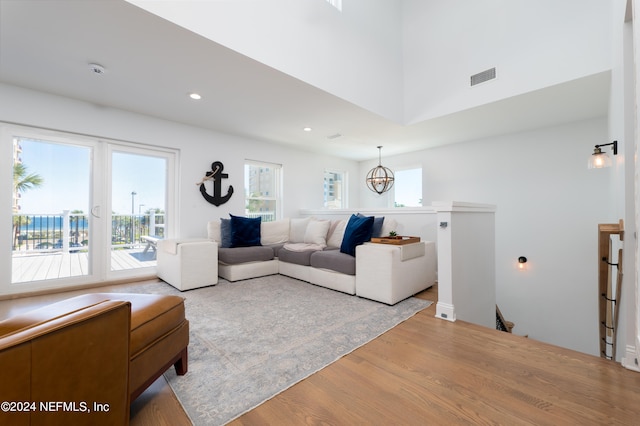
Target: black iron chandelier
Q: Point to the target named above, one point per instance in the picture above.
(380, 179)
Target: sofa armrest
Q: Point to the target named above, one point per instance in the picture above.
(77, 358)
(188, 264)
(391, 273)
(171, 245)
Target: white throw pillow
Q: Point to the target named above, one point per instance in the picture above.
(213, 231)
(297, 229)
(316, 232)
(336, 232)
(275, 232)
(389, 224)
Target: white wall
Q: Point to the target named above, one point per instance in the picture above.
(304, 172)
(532, 44)
(354, 54)
(548, 208)
(621, 128)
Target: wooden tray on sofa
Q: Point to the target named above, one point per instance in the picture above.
(399, 240)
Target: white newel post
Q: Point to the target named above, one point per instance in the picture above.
(466, 262)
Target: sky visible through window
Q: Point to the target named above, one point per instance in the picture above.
(141, 174)
(65, 170)
(408, 187)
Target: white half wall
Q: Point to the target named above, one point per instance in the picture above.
(548, 206)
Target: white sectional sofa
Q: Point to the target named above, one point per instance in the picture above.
(320, 252)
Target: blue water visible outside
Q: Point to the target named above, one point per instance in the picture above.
(43, 223)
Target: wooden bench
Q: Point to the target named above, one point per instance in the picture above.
(152, 242)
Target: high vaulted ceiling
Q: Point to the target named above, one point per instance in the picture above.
(151, 66)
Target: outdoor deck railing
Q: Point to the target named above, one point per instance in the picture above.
(265, 216)
(70, 231)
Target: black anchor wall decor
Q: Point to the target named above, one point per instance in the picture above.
(216, 176)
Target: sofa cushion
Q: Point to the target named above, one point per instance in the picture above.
(316, 232)
(378, 222)
(213, 230)
(390, 224)
(245, 231)
(275, 232)
(336, 232)
(298, 257)
(376, 231)
(225, 233)
(357, 232)
(334, 260)
(297, 229)
(152, 316)
(276, 248)
(233, 256)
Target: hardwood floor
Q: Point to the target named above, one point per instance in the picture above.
(158, 406)
(430, 371)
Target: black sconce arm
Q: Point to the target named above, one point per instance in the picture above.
(615, 146)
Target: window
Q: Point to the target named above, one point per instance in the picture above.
(81, 206)
(262, 189)
(408, 188)
(334, 189)
(138, 204)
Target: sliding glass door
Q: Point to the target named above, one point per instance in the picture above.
(51, 223)
(138, 206)
(82, 210)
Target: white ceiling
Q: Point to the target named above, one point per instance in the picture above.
(152, 65)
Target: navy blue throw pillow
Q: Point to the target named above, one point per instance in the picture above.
(245, 231)
(377, 225)
(225, 233)
(358, 231)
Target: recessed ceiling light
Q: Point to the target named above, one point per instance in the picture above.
(195, 96)
(307, 129)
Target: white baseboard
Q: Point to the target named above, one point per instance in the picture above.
(630, 359)
(445, 311)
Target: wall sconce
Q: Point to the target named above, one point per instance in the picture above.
(599, 159)
(380, 179)
(522, 263)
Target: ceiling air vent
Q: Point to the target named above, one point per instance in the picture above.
(483, 76)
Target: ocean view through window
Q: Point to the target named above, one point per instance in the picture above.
(82, 207)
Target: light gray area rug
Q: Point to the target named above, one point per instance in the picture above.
(252, 339)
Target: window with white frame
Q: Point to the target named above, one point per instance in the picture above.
(262, 190)
(408, 188)
(83, 200)
(335, 189)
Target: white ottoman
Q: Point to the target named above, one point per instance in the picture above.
(390, 273)
(188, 263)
